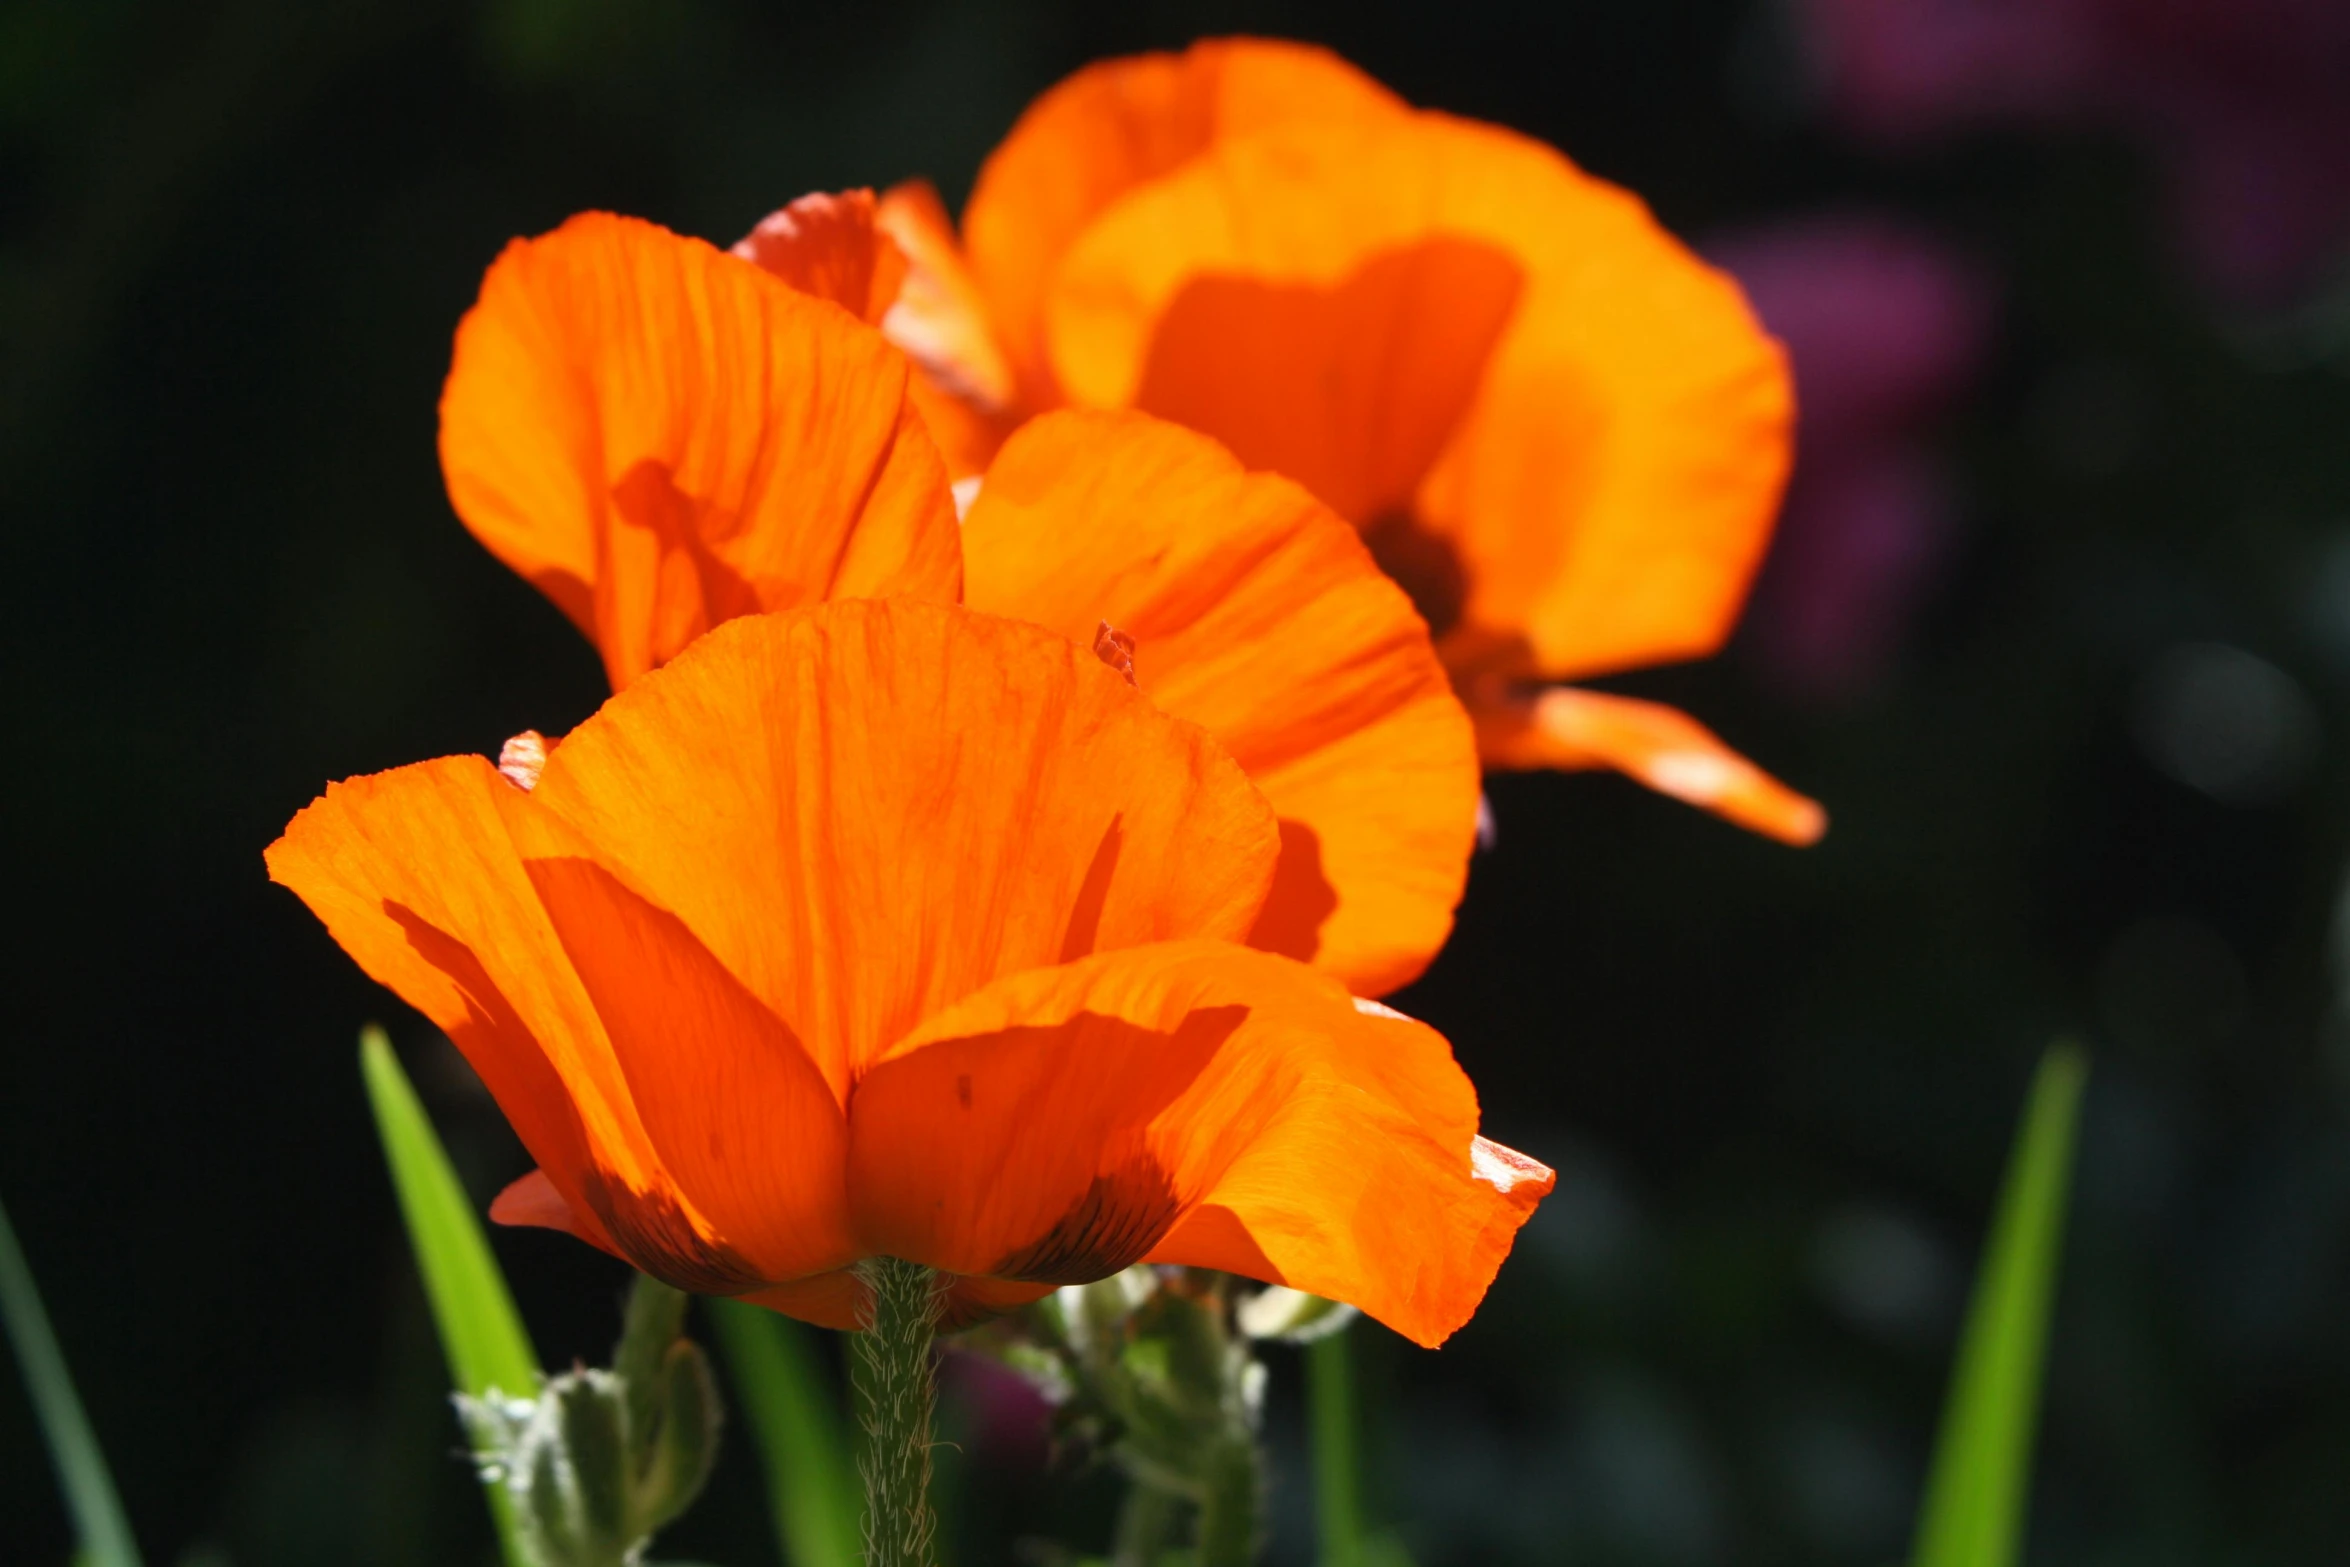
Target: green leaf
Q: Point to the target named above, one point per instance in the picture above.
(73, 1447)
(1974, 1509)
(794, 1415)
(481, 1333)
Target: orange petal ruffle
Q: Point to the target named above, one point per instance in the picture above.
(1211, 1105)
(1602, 428)
(451, 886)
(895, 928)
(830, 1300)
(869, 809)
(742, 879)
(661, 437)
(1108, 130)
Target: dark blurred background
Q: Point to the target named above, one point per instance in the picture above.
(2058, 626)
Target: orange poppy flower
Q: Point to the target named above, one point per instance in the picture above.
(892, 928)
(662, 437)
(1559, 430)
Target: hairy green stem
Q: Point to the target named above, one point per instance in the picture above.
(1232, 1503)
(895, 1387)
(1146, 1518)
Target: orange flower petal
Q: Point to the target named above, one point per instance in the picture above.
(1351, 389)
(1258, 615)
(971, 1300)
(1109, 128)
(829, 1300)
(735, 1109)
(663, 437)
(1208, 1104)
(535, 1202)
(895, 264)
(832, 1299)
(838, 1300)
(436, 879)
(829, 246)
(867, 810)
(967, 392)
(415, 874)
(1613, 467)
(1661, 746)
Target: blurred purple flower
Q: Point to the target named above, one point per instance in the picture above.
(1010, 1421)
(1900, 69)
(2245, 102)
(1884, 325)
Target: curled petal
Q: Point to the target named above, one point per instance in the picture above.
(535, 1202)
(1660, 746)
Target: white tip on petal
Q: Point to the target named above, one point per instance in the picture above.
(1692, 776)
(1487, 831)
(965, 492)
(523, 758)
(1378, 1009)
(1504, 1169)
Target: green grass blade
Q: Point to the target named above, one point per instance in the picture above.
(481, 1332)
(1332, 1426)
(1974, 1508)
(73, 1447)
(794, 1415)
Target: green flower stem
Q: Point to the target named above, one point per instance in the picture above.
(1330, 1403)
(1146, 1519)
(895, 1388)
(1232, 1504)
(654, 1320)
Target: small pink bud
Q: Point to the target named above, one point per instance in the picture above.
(523, 758)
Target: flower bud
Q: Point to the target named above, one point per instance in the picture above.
(676, 1455)
(601, 1459)
(591, 1425)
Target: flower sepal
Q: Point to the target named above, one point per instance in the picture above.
(1147, 1369)
(601, 1459)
